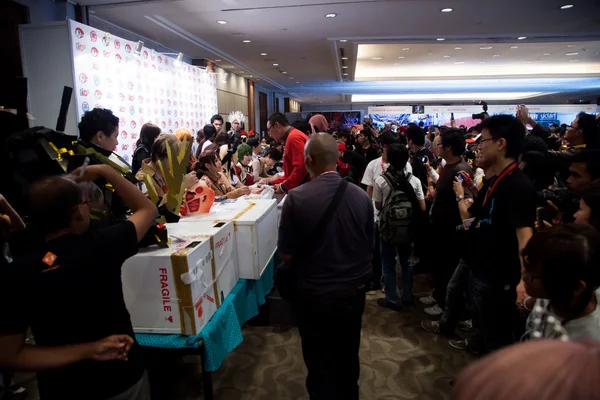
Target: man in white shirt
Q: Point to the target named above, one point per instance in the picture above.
(397, 156)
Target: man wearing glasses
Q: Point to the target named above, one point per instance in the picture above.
(295, 173)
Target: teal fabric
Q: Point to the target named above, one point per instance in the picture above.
(223, 332)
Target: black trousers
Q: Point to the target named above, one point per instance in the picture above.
(330, 333)
(445, 259)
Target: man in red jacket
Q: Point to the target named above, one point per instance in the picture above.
(293, 156)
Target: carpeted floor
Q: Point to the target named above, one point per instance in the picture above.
(398, 361)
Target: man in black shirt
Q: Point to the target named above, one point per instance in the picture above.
(504, 216)
(416, 143)
(445, 217)
(365, 147)
(68, 290)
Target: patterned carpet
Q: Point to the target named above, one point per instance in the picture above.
(398, 361)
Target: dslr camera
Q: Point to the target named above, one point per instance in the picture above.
(482, 115)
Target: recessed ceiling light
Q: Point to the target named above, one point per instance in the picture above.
(297, 82)
(344, 66)
(345, 74)
(566, 6)
(291, 77)
(446, 56)
(436, 62)
(496, 55)
(485, 48)
(573, 60)
(459, 62)
(343, 41)
(344, 58)
(440, 39)
(570, 45)
(458, 48)
(247, 41)
(218, 60)
(546, 54)
(376, 58)
(276, 65)
(405, 49)
(400, 57)
(221, 22)
(514, 47)
(398, 64)
(446, 10)
(284, 72)
(330, 15)
(571, 54)
(481, 62)
(263, 54)
(522, 38)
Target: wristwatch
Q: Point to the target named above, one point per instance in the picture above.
(459, 198)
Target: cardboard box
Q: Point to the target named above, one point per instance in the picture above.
(255, 232)
(171, 290)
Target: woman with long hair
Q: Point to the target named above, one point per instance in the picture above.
(143, 146)
(209, 169)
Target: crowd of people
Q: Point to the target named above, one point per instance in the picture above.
(513, 209)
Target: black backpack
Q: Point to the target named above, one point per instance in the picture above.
(397, 217)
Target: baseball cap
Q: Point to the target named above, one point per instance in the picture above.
(341, 146)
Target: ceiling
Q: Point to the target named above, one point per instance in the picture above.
(311, 50)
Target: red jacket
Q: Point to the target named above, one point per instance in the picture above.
(293, 161)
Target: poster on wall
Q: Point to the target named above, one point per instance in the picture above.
(138, 88)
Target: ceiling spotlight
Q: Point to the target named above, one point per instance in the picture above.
(485, 48)
(246, 41)
(343, 41)
(344, 66)
(291, 77)
(297, 82)
(522, 38)
(458, 48)
(400, 57)
(284, 72)
(376, 58)
(405, 49)
(514, 47)
(446, 56)
(440, 39)
(330, 15)
(496, 55)
(546, 54)
(446, 10)
(566, 6)
(221, 22)
(263, 54)
(345, 74)
(573, 60)
(344, 58)
(570, 45)
(571, 54)
(481, 62)
(276, 65)
(138, 48)
(218, 60)
(459, 62)
(177, 62)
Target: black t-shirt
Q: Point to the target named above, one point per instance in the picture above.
(69, 291)
(444, 211)
(418, 169)
(369, 154)
(494, 241)
(141, 153)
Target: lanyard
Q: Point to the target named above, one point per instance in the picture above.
(502, 175)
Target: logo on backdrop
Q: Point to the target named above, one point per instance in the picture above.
(85, 106)
(79, 33)
(127, 48)
(131, 111)
(83, 92)
(98, 94)
(93, 36)
(97, 79)
(80, 46)
(132, 124)
(117, 44)
(124, 134)
(94, 52)
(82, 78)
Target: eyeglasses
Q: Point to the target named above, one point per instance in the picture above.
(482, 141)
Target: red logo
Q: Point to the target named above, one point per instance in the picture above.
(127, 48)
(79, 32)
(93, 36)
(132, 124)
(94, 52)
(49, 259)
(124, 134)
(159, 59)
(117, 44)
(145, 55)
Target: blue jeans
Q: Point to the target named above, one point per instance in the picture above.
(388, 265)
(455, 299)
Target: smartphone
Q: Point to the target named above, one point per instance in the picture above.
(461, 178)
(424, 160)
(451, 116)
(540, 214)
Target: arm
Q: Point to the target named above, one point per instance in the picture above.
(422, 205)
(15, 354)
(298, 174)
(16, 223)
(462, 204)
(370, 191)
(144, 212)
(523, 236)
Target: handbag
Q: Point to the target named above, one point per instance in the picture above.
(287, 274)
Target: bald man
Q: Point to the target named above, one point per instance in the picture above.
(333, 264)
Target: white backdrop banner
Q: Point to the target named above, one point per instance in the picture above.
(138, 89)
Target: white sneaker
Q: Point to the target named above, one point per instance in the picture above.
(466, 326)
(434, 311)
(429, 300)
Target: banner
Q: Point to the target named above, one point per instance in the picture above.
(149, 87)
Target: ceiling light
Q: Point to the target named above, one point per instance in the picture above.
(398, 64)
(344, 66)
(485, 48)
(481, 62)
(446, 10)
(459, 62)
(566, 6)
(345, 74)
(570, 45)
(443, 96)
(571, 54)
(514, 47)
(178, 60)
(343, 41)
(276, 65)
(221, 22)
(376, 58)
(405, 49)
(436, 62)
(246, 41)
(573, 60)
(218, 60)
(263, 54)
(546, 54)
(496, 55)
(400, 57)
(291, 77)
(440, 39)
(331, 15)
(284, 72)
(522, 38)
(297, 82)
(458, 48)
(446, 56)
(344, 58)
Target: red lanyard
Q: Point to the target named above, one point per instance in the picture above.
(504, 173)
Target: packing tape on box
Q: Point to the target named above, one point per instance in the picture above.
(196, 273)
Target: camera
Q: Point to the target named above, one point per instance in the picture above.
(482, 115)
(558, 196)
